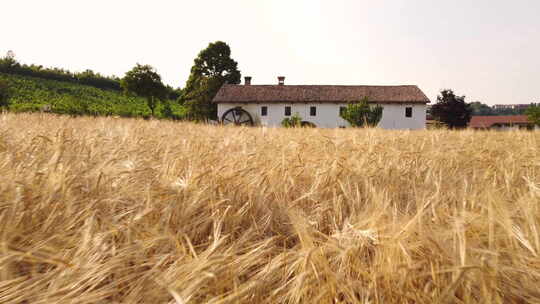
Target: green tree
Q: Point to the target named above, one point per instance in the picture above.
(452, 110)
(533, 114)
(360, 114)
(212, 68)
(4, 94)
(479, 108)
(198, 99)
(8, 63)
(144, 81)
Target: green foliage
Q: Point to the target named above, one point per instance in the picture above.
(294, 121)
(4, 94)
(145, 82)
(172, 93)
(451, 110)
(30, 94)
(479, 108)
(212, 68)
(198, 101)
(533, 114)
(9, 65)
(361, 114)
(168, 111)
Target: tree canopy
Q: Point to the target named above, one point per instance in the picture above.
(360, 114)
(479, 108)
(533, 114)
(144, 81)
(212, 68)
(451, 110)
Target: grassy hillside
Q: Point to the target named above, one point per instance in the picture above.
(104, 210)
(30, 94)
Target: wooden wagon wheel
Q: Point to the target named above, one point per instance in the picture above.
(237, 116)
(307, 124)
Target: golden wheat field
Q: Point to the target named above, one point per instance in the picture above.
(104, 210)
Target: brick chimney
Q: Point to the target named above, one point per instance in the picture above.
(281, 80)
(247, 80)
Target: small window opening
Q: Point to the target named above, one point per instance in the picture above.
(287, 111)
(264, 111)
(313, 111)
(408, 112)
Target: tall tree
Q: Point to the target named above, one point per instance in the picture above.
(360, 114)
(144, 81)
(4, 94)
(452, 110)
(212, 68)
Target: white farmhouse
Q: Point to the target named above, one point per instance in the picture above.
(404, 106)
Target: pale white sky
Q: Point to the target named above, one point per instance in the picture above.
(486, 50)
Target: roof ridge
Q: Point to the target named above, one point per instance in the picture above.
(515, 115)
(323, 93)
(323, 85)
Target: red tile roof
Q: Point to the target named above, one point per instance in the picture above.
(489, 121)
(318, 94)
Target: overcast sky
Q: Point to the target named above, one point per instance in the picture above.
(486, 50)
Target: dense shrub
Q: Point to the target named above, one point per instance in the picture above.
(361, 114)
(294, 121)
(5, 94)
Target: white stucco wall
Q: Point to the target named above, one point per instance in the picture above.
(328, 114)
(394, 117)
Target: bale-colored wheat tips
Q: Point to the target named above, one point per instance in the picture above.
(104, 210)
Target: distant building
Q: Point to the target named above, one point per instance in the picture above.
(509, 122)
(404, 106)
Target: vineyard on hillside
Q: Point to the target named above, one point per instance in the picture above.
(30, 94)
(106, 210)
